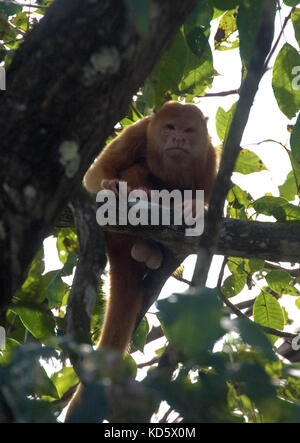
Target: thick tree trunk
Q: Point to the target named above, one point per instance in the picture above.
(69, 83)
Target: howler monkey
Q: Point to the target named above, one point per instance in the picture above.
(170, 149)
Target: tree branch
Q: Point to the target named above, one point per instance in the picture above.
(90, 266)
(238, 238)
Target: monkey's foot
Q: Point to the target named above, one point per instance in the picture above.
(147, 253)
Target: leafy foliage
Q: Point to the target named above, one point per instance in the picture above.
(228, 370)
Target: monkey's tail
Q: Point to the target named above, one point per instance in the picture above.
(124, 302)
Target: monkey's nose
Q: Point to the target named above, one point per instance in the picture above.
(178, 141)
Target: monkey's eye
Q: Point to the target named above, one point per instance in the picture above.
(170, 126)
(189, 130)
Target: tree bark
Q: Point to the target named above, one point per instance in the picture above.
(69, 83)
(238, 238)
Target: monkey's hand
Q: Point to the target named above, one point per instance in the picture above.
(112, 185)
(141, 193)
(191, 210)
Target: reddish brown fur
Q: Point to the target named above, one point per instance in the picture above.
(139, 156)
(131, 157)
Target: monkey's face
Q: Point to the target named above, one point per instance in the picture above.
(177, 144)
(178, 134)
(178, 141)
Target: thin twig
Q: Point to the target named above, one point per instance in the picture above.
(219, 94)
(182, 280)
(166, 416)
(221, 274)
(246, 304)
(154, 361)
(278, 39)
(269, 140)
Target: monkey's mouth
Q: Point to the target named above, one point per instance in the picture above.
(177, 149)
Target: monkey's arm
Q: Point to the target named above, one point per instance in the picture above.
(120, 154)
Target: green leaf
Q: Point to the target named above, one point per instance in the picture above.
(34, 289)
(278, 280)
(255, 264)
(297, 303)
(192, 321)
(234, 284)
(236, 265)
(5, 355)
(40, 324)
(267, 204)
(296, 24)
(239, 197)
(248, 162)
(291, 290)
(295, 150)
(283, 81)
(223, 121)
(66, 242)
(167, 73)
(257, 383)
(201, 15)
(267, 311)
(140, 335)
(291, 2)
(185, 69)
(245, 266)
(56, 289)
(64, 380)
(198, 71)
(277, 207)
(21, 21)
(254, 335)
(130, 365)
(44, 385)
(292, 212)
(227, 28)
(9, 9)
(288, 189)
